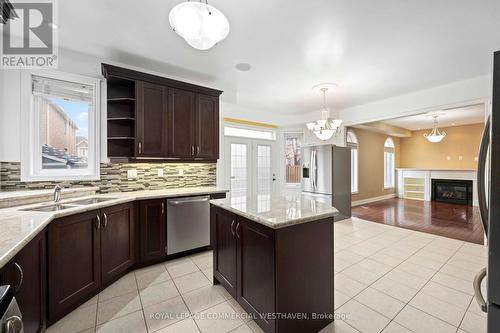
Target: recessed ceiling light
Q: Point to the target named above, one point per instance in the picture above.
(243, 66)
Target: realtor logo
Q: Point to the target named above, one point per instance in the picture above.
(30, 40)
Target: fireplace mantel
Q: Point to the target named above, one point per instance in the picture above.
(426, 176)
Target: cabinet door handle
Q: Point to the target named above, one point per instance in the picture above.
(192, 150)
(197, 150)
(21, 277)
(97, 222)
(140, 148)
(237, 227)
(162, 208)
(105, 223)
(232, 228)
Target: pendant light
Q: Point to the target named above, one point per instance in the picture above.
(201, 25)
(435, 135)
(325, 128)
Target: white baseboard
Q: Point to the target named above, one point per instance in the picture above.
(374, 199)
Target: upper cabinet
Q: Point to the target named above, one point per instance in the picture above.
(152, 118)
(207, 123)
(182, 124)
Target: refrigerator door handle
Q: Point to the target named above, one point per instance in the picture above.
(312, 170)
(478, 295)
(315, 171)
(481, 173)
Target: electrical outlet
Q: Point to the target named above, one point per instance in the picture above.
(448, 158)
(181, 172)
(132, 173)
(160, 172)
(460, 157)
(475, 158)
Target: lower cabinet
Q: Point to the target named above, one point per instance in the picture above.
(256, 269)
(244, 261)
(153, 230)
(287, 271)
(117, 241)
(26, 273)
(86, 251)
(222, 229)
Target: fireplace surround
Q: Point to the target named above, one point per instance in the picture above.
(452, 191)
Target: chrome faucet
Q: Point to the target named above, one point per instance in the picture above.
(57, 193)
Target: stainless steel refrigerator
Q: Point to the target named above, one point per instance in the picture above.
(326, 174)
(488, 177)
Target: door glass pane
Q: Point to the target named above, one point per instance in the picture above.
(263, 177)
(239, 173)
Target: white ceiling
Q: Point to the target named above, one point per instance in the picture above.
(371, 49)
(452, 117)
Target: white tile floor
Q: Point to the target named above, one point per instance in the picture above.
(387, 280)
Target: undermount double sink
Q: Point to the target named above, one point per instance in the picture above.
(68, 205)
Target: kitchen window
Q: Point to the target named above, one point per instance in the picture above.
(352, 142)
(293, 158)
(389, 167)
(61, 115)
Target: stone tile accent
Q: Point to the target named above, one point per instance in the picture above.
(114, 177)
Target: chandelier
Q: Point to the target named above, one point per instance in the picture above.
(325, 128)
(201, 25)
(435, 135)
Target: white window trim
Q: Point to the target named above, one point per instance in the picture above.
(285, 183)
(354, 145)
(249, 127)
(29, 141)
(392, 150)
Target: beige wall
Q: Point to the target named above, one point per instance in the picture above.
(417, 152)
(371, 164)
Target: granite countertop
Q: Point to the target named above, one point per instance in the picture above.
(18, 227)
(277, 211)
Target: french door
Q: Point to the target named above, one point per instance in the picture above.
(250, 168)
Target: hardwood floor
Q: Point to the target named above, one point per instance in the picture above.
(443, 219)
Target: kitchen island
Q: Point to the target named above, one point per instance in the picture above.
(274, 255)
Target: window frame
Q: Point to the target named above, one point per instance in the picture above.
(390, 150)
(354, 148)
(300, 135)
(30, 142)
(272, 132)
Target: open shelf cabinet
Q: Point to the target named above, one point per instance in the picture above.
(121, 106)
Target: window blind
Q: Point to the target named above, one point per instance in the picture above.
(62, 89)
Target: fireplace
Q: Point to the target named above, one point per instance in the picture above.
(452, 191)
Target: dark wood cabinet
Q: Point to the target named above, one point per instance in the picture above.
(276, 270)
(256, 268)
(174, 121)
(207, 127)
(74, 265)
(86, 252)
(152, 120)
(117, 241)
(182, 124)
(26, 273)
(153, 230)
(222, 230)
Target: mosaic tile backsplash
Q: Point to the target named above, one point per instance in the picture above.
(114, 177)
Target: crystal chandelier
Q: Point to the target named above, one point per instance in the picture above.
(325, 128)
(201, 25)
(435, 135)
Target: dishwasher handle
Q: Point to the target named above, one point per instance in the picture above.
(187, 201)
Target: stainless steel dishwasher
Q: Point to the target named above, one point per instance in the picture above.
(188, 223)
